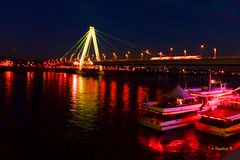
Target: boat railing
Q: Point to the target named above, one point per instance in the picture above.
(232, 102)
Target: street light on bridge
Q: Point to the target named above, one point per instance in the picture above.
(126, 55)
(142, 56)
(185, 52)
(214, 53)
(104, 56)
(202, 46)
(171, 51)
(161, 54)
(114, 56)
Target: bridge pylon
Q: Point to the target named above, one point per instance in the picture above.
(91, 35)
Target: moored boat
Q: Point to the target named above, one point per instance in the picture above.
(176, 109)
(223, 121)
(175, 101)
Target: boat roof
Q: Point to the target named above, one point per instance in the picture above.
(177, 92)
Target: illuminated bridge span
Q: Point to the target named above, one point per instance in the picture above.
(78, 56)
(224, 61)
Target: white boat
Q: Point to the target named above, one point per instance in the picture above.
(176, 109)
(175, 101)
(222, 121)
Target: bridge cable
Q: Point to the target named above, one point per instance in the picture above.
(83, 37)
(121, 40)
(114, 47)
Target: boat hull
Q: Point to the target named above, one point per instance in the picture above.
(173, 110)
(223, 132)
(167, 125)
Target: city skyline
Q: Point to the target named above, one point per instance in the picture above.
(42, 29)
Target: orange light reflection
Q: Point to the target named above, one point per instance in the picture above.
(8, 85)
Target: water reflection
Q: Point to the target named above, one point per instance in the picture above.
(169, 143)
(84, 106)
(125, 96)
(98, 112)
(188, 141)
(29, 85)
(113, 93)
(8, 86)
(141, 95)
(102, 92)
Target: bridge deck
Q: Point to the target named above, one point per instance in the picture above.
(190, 62)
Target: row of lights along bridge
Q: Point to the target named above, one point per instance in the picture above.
(143, 55)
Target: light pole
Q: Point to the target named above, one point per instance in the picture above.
(202, 46)
(214, 53)
(126, 55)
(142, 56)
(160, 54)
(185, 52)
(171, 51)
(148, 53)
(114, 56)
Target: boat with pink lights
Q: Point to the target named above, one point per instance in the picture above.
(211, 93)
(176, 109)
(224, 120)
(175, 101)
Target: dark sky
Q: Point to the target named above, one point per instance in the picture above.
(45, 29)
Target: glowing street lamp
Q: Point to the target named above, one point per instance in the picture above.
(147, 52)
(214, 53)
(185, 52)
(114, 56)
(104, 57)
(126, 55)
(171, 51)
(160, 54)
(202, 46)
(142, 55)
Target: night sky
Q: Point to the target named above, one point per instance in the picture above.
(48, 29)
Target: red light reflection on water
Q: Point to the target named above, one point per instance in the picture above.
(102, 91)
(62, 82)
(8, 85)
(125, 95)
(155, 144)
(113, 93)
(29, 85)
(142, 94)
(184, 142)
(175, 145)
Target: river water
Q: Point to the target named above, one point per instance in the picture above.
(47, 115)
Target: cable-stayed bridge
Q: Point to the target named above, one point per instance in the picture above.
(80, 57)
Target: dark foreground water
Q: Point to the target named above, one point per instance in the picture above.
(46, 115)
